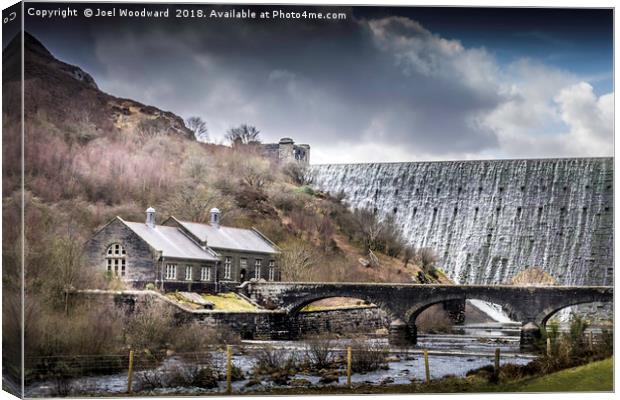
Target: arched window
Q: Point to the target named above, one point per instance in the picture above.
(115, 260)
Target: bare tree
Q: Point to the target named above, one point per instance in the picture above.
(66, 263)
(409, 254)
(254, 172)
(426, 259)
(199, 127)
(377, 234)
(243, 135)
(298, 173)
(193, 203)
(369, 228)
(298, 261)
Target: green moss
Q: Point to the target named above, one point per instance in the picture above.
(306, 190)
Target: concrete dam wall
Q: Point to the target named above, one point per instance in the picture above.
(489, 220)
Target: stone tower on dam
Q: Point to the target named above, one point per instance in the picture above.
(489, 220)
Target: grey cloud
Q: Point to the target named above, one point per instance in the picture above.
(311, 81)
(357, 81)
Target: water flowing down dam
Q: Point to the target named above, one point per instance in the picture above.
(489, 220)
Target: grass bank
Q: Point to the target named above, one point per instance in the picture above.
(597, 376)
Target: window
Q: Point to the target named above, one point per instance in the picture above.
(171, 271)
(115, 260)
(227, 268)
(188, 272)
(272, 270)
(205, 274)
(257, 265)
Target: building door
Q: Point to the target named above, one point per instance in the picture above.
(242, 275)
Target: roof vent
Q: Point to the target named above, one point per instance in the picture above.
(215, 217)
(150, 217)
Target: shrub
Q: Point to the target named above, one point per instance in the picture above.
(318, 352)
(150, 327)
(307, 190)
(61, 375)
(193, 337)
(367, 356)
(270, 359)
(150, 379)
(286, 200)
(205, 378)
(426, 259)
(569, 349)
(202, 376)
(298, 174)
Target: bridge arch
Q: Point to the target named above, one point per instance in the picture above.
(359, 320)
(545, 315)
(513, 312)
(294, 308)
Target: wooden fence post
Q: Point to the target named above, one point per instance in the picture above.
(427, 370)
(229, 369)
(130, 371)
(591, 340)
(496, 369)
(349, 366)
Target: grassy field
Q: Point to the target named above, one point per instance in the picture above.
(594, 377)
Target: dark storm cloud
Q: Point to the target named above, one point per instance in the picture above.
(312, 81)
(384, 82)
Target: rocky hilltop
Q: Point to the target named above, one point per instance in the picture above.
(67, 94)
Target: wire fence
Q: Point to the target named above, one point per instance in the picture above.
(223, 369)
(216, 368)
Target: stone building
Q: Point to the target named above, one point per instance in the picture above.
(181, 255)
(287, 151)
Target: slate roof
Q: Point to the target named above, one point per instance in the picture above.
(225, 237)
(171, 242)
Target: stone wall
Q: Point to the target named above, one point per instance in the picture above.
(140, 258)
(262, 324)
(345, 321)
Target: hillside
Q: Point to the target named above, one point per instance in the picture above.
(91, 156)
(67, 94)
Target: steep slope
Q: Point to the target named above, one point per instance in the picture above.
(68, 95)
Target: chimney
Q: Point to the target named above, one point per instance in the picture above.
(150, 217)
(215, 217)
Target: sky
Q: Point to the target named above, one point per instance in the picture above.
(383, 85)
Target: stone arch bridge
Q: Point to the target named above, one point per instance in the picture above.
(531, 305)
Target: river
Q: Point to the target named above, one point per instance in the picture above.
(469, 347)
